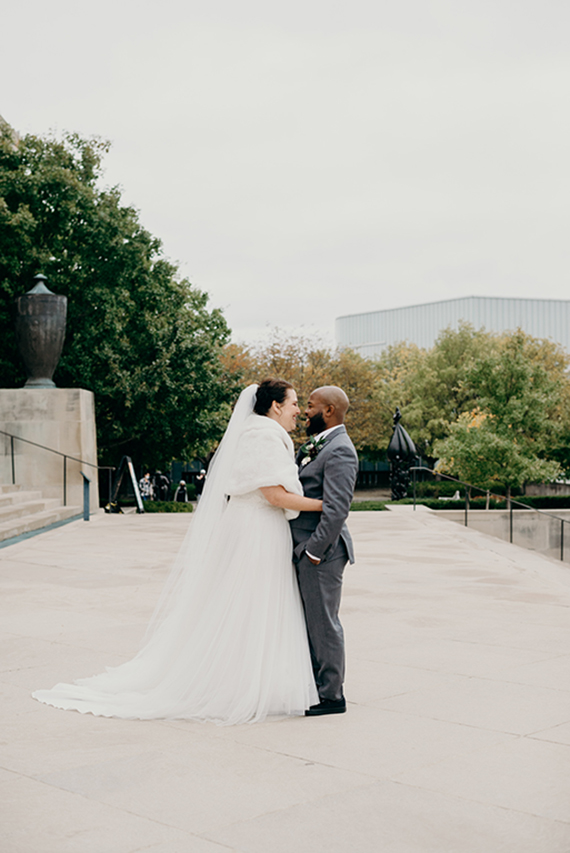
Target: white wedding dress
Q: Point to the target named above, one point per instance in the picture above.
(228, 641)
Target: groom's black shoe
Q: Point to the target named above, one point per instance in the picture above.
(327, 706)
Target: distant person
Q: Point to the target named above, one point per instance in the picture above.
(155, 488)
(161, 486)
(145, 487)
(200, 482)
(181, 495)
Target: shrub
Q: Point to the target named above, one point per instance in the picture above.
(447, 488)
(426, 489)
(167, 506)
(479, 502)
(546, 501)
(374, 506)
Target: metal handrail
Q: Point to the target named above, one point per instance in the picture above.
(510, 501)
(65, 456)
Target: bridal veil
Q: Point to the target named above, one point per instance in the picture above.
(227, 641)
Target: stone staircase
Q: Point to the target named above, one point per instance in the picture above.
(22, 511)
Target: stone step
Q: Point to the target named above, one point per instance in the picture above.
(9, 489)
(18, 510)
(13, 498)
(36, 520)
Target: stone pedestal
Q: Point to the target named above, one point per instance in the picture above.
(62, 419)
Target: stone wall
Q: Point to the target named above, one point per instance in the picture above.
(547, 489)
(537, 531)
(62, 419)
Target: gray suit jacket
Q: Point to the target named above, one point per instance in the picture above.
(332, 477)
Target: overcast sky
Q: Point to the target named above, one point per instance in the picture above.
(311, 159)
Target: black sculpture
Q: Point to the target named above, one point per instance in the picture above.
(401, 453)
(40, 332)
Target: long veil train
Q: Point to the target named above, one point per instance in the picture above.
(191, 562)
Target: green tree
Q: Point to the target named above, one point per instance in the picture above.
(510, 437)
(429, 386)
(395, 370)
(137, 335)
(438, 388)
(479, 452)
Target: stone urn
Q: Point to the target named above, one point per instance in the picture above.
(40, 332)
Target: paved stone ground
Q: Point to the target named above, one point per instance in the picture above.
(457, 738)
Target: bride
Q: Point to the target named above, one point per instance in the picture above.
(227, 642)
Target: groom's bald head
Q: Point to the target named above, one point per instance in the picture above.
(335, 398)
(327, 407)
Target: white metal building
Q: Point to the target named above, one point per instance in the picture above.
(373, 331)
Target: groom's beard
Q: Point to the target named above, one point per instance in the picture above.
(316, 424)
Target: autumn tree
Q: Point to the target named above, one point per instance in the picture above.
(494, 408)
(309, 363)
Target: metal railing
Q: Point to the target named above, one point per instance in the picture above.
(65, 457)
(509, 501)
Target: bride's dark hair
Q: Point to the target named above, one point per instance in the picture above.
(269, 390)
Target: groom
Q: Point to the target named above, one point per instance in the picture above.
(328, 466)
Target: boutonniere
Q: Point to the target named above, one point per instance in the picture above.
(310, 450)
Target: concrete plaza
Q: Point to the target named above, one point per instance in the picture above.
(456, 740)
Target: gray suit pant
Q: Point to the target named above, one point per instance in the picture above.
(321, 588)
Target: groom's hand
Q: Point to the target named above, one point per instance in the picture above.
(314, 560)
